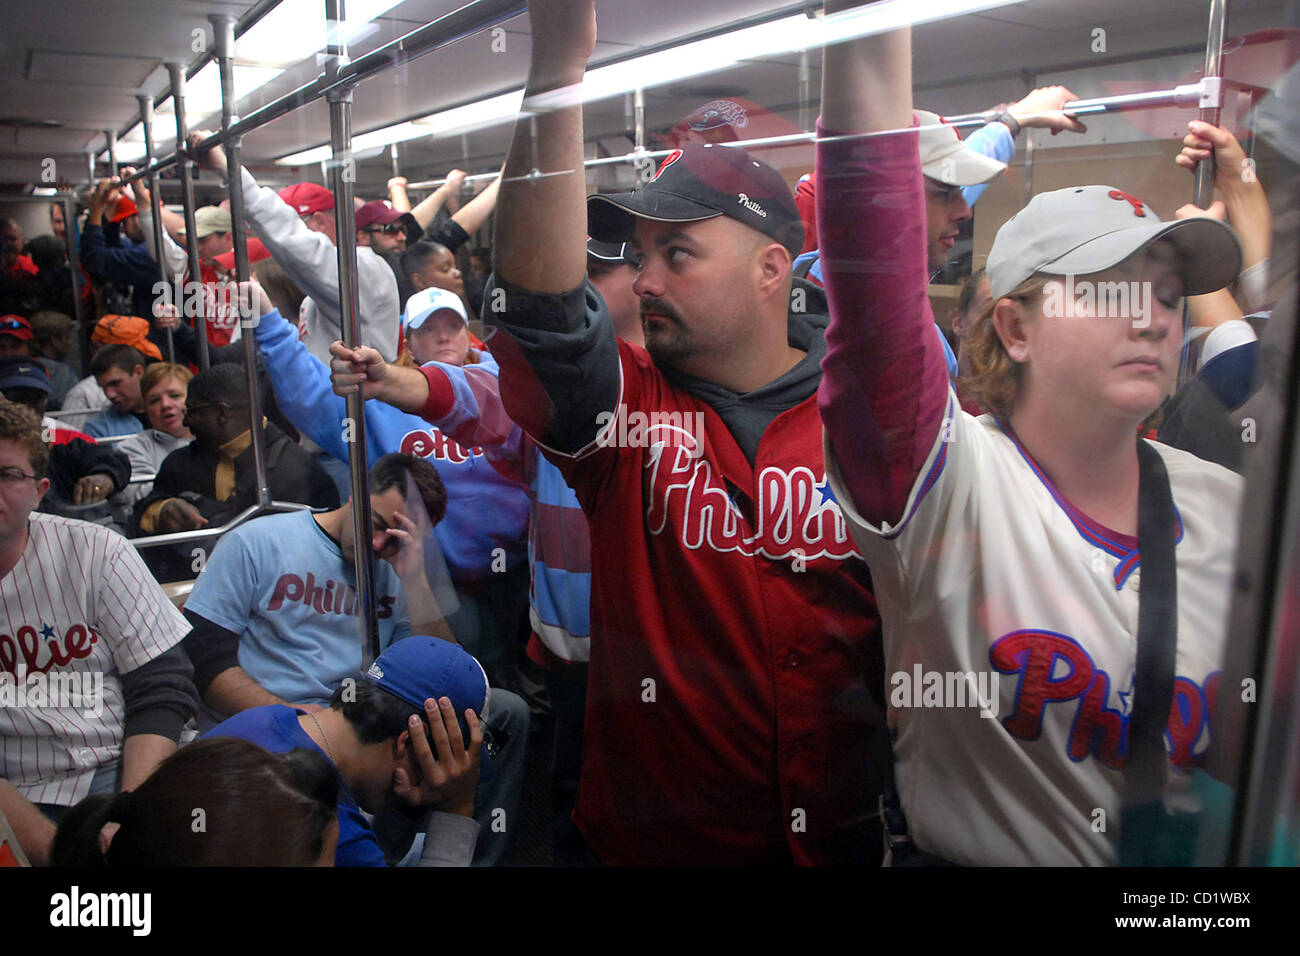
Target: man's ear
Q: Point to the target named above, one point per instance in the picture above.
(137, 372)
(774, 264)
(42, 487)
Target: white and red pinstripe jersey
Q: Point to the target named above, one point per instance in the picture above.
(80, 600)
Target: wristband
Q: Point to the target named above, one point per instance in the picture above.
(1010, 122)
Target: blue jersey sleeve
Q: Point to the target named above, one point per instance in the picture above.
(992, 139)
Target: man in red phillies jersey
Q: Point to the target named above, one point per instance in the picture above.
(733, 641)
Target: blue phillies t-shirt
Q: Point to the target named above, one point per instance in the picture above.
(283, 586)
(277, 730)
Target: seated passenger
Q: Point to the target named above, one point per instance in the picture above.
(393, 736)
(90, 642)
(118, 369)
(164, 386)
(259, 809)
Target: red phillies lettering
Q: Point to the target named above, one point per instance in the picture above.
(331, 597)
(668, 161)
(76, 643)
(1034, 656)
(1131, 200)
(434, 444)
(1098, 730)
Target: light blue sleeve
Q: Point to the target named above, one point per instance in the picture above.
(302, 384)
(992, 139)
(226, 589)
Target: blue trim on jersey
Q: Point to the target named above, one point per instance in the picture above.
(1129, 559)
(936, 469)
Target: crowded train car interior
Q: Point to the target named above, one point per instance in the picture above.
(713, 433)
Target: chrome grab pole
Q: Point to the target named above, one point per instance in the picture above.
(155, 210)
(342, 178)
(223, 28)
(176, 72)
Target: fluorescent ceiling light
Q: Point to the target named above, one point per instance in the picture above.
(366, 142)
(472, 116)
(203, 91)
(296, 29)
(764, 40)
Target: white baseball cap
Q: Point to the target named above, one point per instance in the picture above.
(946, 157)
(428, 301)
(1082, 230)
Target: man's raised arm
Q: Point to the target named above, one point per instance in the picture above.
(541, 229)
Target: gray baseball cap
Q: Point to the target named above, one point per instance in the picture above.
(1082, 230)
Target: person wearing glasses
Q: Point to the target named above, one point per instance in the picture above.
(212, 479)
(81, 619)
(297, 226)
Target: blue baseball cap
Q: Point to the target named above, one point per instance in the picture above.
(417, 668)
(23, 373)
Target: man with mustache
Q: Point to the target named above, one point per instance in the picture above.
(732, 641)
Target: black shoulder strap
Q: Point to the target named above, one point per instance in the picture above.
(802, 269)
(1157, 640)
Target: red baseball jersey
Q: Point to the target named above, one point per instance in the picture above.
(733, 630)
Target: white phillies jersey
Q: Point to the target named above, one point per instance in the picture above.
(78, 609)
(991, 572)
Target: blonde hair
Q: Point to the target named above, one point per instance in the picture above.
(994, 379)
(158, 371)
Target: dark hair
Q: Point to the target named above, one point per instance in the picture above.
(48, 325)
(22, 426)
(122, 357)
(374, 714)
(47, 252)
(226, 382)
(392, 470)
(285, 296)
(218, 802)
(414, 258)
(966, 294)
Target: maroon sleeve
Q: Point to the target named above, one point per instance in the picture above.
(441, 395)
(885, 383)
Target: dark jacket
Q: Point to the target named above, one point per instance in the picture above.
(191, 473)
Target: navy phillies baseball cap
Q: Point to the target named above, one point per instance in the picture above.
(699, 182)
(23, 373)
(417, 668)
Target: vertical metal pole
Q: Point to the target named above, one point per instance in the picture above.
(805, 91)
(74, 259)
(1203, 191)
(342, 177)
(110, 141)
(74, 267)
(176, 71)
(155, 207)
(392, 154)
(223, 29)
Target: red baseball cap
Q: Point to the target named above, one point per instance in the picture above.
(16, 326)
(256, 253)
(125, 208)
(306, 198)
(377, 212)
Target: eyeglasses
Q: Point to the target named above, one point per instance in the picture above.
(194, 409)
(12, 476)
(392, 229)
(943, 191)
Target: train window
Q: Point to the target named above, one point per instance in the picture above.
(881, 418)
